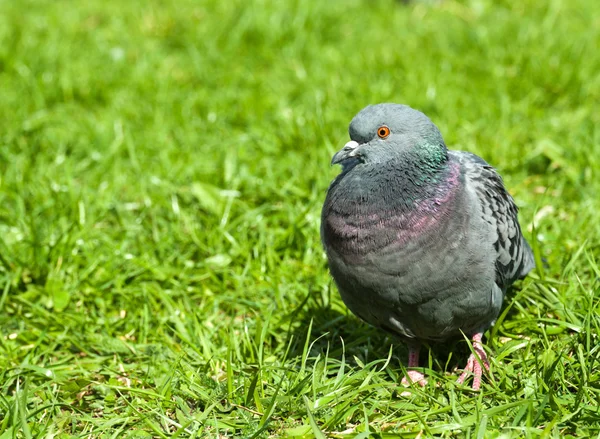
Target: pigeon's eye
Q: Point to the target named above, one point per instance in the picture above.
(383, 131)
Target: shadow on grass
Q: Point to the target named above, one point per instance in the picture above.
(331, 329)
(336, 333)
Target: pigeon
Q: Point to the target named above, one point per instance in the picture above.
(421, 241)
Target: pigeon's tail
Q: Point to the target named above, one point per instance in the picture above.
(528, 259)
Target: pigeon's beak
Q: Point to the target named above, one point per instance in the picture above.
(348, 151)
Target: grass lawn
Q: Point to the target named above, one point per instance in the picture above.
(162, 170)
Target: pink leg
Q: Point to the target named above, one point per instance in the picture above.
(413, 376)
(475, 362)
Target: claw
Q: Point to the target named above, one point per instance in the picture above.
(475, 362)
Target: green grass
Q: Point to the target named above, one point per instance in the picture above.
(163, 166)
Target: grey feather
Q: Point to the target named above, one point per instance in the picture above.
(514, 258)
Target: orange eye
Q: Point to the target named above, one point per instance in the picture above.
(383, 131)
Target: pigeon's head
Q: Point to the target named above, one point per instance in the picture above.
(384, 132)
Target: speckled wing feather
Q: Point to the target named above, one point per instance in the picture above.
(514, 258)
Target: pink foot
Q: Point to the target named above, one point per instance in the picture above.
(475, 362)
(413, 376)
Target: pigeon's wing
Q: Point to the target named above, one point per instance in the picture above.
(514, 258)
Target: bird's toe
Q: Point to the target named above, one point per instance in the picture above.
(413, 376)
(475, 366)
